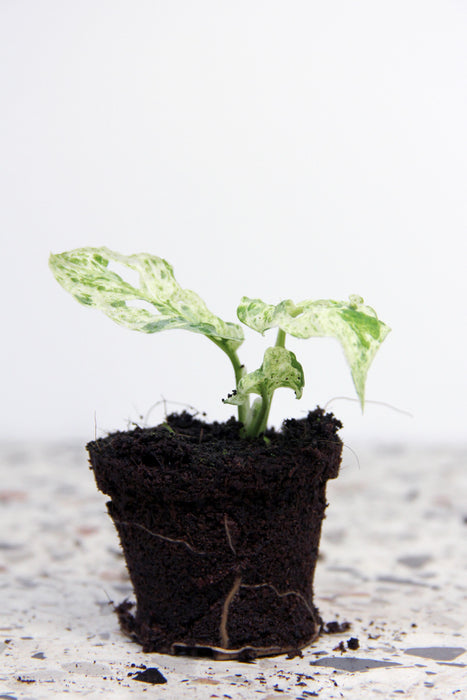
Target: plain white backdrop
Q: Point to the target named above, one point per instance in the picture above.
(299, 149)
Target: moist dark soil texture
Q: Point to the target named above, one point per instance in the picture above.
(220, 533)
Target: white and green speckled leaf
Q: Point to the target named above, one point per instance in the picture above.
(280, 368)
(85, 273)
(355, 325)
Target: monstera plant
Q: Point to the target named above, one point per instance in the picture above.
(220, 523)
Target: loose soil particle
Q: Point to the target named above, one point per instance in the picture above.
(353, 643)
(220, 533)
(336, 627)
(150, 675)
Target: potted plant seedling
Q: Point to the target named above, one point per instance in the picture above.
(220, 522)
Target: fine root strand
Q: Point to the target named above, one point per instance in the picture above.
(227, 532)
(159, 536)
(282, 595)
(372, 401)
(225, 612)
(163, 401)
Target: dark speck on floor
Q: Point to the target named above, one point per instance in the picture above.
(336, 627)
(150, 675)
(353, 643)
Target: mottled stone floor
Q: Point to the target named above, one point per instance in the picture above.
(394, 564)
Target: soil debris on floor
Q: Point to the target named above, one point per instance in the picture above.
(150, 675)
(59, 570)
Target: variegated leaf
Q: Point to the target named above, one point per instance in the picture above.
(355, 325)
(280, 368)
(85, 273)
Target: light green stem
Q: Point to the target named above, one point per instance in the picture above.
(239, 371)
(280, 340)
(260, 419)
(254, 421)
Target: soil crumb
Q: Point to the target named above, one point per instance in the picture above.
(150, 675)
(353, 643)
(336, 627)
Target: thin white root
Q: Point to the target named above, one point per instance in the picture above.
(227, 532)
(225, 612)
(159, 536)
(377, 403)
(282, 595)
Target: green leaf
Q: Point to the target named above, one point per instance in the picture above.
(85, 273)
(280, 368)
(355, 325)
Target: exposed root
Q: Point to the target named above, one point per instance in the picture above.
(227, 532)
(377, 403)
(247, 653)
(164, 402)
(159, 536)
(282, 595)
(225, 612)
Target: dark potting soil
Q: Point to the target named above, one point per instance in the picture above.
(220, 533)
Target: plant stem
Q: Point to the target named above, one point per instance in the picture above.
(280, 340)
(254, 421)
(239, 371)
(260, 419)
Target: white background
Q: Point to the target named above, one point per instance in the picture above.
(299, 149)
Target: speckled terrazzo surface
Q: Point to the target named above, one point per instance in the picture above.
(394, 564)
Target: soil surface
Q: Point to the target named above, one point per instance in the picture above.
(220, 534)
